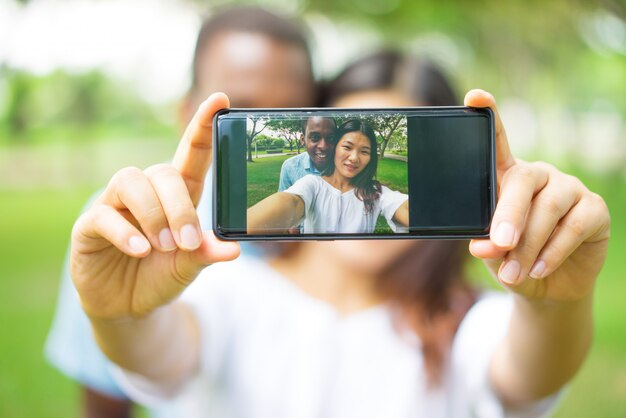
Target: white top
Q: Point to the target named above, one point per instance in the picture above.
(329, 211)
(271, 350)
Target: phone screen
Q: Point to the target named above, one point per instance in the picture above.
(353, 173)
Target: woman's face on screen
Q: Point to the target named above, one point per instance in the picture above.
(367, 255)
(352, 154)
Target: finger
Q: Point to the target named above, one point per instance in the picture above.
(548, 207)
(519, 185)
(180, 212)
(211, 250)
(504, 157)
(194, 152)
(103, 226)
(586, 222)
(130, 189)
(486, 250)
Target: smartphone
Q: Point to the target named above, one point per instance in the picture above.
(331, 173)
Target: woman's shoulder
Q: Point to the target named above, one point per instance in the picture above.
(306, 186)
(387, 191)
(491, 306)
(484, 325)
(309, 179)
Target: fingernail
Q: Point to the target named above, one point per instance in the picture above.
(138, 244)
(189, 237)
(504, 234)
(166, 239)
(538, 269)
(510, 272)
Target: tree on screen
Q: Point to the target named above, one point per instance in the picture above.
(386, 128)
(256, 125)
(287, 129)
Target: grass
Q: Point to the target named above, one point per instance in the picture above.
(263, 177)
(35, 228)
(35, 232)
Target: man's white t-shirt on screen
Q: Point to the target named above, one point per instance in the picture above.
(328, 210)
(271, 350)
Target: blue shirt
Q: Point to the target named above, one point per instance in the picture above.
(294, 169)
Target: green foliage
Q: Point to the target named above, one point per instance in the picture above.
(263, 142)
(278, 143)
(72, 105)
(288, 129)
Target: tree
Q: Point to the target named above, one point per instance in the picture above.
(385, 128)
(263, 141)
(278, 144)
(288, 129)
(256, 125)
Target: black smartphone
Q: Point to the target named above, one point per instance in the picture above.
(330, 173)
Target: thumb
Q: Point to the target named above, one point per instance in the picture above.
(481, 99)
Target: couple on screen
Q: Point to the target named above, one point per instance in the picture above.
(332, 188)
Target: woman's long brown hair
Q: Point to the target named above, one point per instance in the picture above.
(426, 285)
(428, 290)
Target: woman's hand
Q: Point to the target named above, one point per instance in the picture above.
(549, 233)
(140, 244)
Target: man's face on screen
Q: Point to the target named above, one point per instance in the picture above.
(319, 139)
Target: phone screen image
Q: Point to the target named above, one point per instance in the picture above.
(352, 173)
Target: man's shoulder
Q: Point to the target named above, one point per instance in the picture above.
(295, 160)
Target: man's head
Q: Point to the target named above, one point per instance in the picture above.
(257, 58)
(319, 138)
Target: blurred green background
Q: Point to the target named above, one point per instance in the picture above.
(78, 102)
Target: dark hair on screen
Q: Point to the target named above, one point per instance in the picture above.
(366, 187)
(305, 122)
(427, 283)
(247, 19)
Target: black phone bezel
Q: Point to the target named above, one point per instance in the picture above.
(438, 233)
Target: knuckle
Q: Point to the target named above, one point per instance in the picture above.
(159, 170)
(576, 226)
(600, 209)
(526, 251)
(79, 225)
(96, 212)
(598, 201)
(180, 210)
(127, 173)
(574, 182)
(153, 216)
(542, 165)
(550, 203)
(126, 177)
(520, 171)
(510, 211)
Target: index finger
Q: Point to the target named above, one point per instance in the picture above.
(195, 149)
(504, 158)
